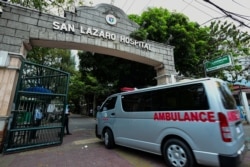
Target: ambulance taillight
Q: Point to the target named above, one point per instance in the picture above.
(224, 128)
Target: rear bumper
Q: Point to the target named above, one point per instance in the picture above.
(233, 160)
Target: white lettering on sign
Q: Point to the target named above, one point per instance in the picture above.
(98, 33)
(101, 34)
(131, 41)
(63, 27)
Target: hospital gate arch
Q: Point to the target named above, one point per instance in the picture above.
(103, 28)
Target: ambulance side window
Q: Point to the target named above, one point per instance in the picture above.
(187, 97)
(109, 104)
(193, 97)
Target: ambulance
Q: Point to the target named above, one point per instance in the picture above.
(188, 123)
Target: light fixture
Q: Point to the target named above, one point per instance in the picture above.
(4, 59)
(1, 10)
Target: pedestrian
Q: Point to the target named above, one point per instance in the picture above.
(66, 120)
(37, 120)
(91, 112)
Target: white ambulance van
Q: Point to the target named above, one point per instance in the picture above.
(188, 123)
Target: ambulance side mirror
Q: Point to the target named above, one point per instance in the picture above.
(98, 108)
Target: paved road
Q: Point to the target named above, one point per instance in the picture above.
(138, 158)
(83, 149)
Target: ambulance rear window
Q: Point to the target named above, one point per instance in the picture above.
(226, 96)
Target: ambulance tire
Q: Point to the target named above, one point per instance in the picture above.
(109, 139)
(177, 153)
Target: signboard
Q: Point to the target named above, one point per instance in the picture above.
(218, 63)
(100, 33)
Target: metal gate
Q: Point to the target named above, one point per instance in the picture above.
(39, 88)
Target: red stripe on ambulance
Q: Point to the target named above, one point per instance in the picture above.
(185, 116)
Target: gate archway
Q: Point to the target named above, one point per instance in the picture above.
(103, 29)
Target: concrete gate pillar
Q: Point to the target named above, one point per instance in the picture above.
(165, 72)
(165, 75)
(10, 64)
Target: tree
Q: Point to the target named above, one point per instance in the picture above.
(94, 87)
(60, 59)
(190, 41)
(57, 58)
(51, 6)
(104, 75)
(193, 44)
(154, 22)
(188, 38)
(76, 91)
(226, 39)
(116, 71)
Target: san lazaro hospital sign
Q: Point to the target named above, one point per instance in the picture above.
(95, 32)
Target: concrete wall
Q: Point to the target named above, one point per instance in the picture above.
(8, 81)
(20, 26)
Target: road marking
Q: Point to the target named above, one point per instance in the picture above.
(86, 141)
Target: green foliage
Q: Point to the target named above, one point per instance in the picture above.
(37, 4)
(139, 35)
(135, 18)
(76, 87)
(189, 40)
(190, 43)
(104, 75)
(115, 71)
(56, 58)
(225, 38)
(193, 44)
(60, 59)
(154, 21)
(48, 5)
(76, 91)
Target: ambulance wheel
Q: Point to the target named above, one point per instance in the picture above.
(177, 154)
(109, 139)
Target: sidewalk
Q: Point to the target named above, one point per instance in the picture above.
(77, 150)
(247, 135)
